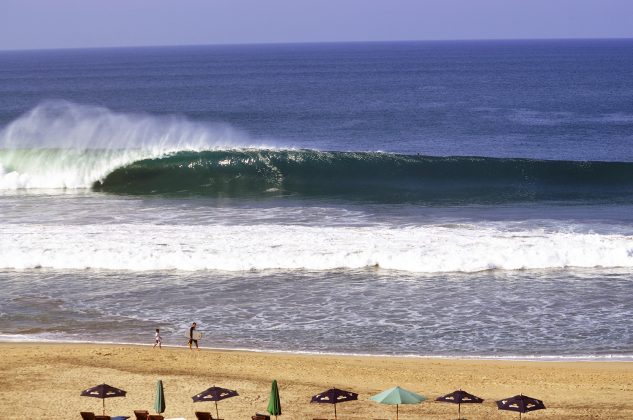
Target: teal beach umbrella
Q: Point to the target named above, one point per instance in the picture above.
(397, 396)
(274, 404)
(159, 401)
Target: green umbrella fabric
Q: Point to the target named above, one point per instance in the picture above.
(274, 404)
(397, 396)
(159, 401)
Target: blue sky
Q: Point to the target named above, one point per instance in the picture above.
(27, 24)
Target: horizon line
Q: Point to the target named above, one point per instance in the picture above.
(228, 44)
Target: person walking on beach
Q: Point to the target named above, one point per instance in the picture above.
(191, 337)
(157, 339)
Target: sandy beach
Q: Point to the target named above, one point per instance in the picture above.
(45, 380)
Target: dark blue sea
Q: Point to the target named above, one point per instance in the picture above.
(457, 199)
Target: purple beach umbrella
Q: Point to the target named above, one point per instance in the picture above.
(521, 403)
(103, 391)
(215, 394)
(460, 397)
(334, 396)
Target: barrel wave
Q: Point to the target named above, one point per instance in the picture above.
(60, 145)
(380, 177)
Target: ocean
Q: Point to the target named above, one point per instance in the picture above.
(452, 199)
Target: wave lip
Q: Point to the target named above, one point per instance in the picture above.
(424, 249)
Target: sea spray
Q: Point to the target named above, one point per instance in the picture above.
(59, 144)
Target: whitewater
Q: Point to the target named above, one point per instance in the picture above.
(425, 249)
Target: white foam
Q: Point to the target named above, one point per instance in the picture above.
(61, 145)
(19, 338)
(430, 248)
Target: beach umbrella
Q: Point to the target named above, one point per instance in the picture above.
(215, 394)
(397, 396)
(103, 391)
(334, 396)
(460, 397)
(274, 404)
(159, 401)
(521, 403)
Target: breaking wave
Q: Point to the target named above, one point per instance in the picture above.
(60, 145)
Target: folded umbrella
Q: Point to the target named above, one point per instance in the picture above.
(274, 403)
(159, 401)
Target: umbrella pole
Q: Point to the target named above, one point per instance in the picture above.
(396, 411)
(103, 401)
(459, 411)
(335, 411)
(216, 410)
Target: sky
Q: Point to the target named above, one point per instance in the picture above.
(43, 24)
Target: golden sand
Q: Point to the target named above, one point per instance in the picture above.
(40, 381)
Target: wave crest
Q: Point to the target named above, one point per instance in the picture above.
(59, 144)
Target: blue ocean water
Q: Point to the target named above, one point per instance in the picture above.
(418, 198)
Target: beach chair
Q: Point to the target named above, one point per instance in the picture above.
(205, 415)
(103, 418)
(258, 416)
(141, 414)
(156, 417)
(87, 415)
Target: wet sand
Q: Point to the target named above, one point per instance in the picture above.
(45, 380)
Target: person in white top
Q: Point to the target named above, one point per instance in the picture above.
(157, 339)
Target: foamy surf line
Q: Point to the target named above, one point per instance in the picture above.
(21, 339)
(421, 249)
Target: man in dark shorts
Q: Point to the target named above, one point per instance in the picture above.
(191, 340)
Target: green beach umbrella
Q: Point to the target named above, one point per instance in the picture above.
(274, 404)
(159, 402)
(397, 396)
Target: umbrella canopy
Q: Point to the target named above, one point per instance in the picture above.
(460, 397)
(159, 401)
(521, 403)
(397, 396)
(274, 403)
(103, 391)
(334, 396)
(216, 394)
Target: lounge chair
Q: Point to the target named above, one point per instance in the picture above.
(204, 415)
(103, 418)
(258, 416)
(87, 415)
(156, 417)
(141, 414)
